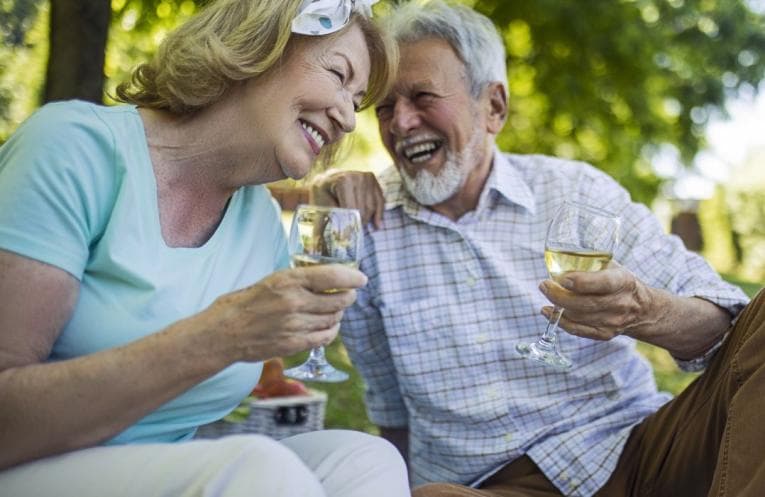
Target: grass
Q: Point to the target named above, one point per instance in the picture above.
(345, 404)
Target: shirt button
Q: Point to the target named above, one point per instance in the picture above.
(491, 393)
(508, 437)
(470, 281)
(482, 339)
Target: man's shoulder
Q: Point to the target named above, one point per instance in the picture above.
(540, 167)
(540, 161)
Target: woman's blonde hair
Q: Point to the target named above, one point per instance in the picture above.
(234, 40)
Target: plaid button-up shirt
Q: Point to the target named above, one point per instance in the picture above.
(434, 331)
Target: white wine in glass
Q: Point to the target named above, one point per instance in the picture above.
(580, 238)
(323, 235)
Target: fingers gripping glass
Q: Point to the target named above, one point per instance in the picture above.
(579, 238)
(323, 235)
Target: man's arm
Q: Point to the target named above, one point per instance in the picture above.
(398, 437)
(669, 296)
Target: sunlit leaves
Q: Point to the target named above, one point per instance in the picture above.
(610, 80)
(22, 68)
(16, 17)
(138, 27)
(607, 81)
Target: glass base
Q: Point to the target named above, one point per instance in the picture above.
(549, 357)
(316, 371)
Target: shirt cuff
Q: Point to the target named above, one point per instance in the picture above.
(700, 363)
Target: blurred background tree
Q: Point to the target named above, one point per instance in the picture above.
(609, 82)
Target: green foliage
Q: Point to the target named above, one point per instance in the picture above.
(15, 20)
(733, 222)
(137, 28)
(602, 81)
(745, 196)
(719, 245)
(22, 61)
(609, 81)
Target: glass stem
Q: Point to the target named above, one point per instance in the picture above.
(549, 340)
(317, 355)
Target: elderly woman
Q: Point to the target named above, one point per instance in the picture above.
(137, 248)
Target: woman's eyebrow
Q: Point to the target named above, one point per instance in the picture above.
(351, 72)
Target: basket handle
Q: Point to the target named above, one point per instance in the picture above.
(294, 415)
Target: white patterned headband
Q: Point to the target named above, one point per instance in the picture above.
(322, 17)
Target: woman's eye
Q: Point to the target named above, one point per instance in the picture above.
(339, 74)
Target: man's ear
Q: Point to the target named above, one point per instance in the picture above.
(496, 99)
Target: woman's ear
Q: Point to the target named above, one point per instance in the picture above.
(497, 103)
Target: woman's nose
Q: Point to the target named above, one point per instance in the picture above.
(344, 113)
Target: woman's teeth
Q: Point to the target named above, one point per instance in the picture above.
(314, 134)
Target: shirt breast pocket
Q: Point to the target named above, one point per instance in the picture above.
(445, 371)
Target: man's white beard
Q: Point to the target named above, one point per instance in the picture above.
(431, 189)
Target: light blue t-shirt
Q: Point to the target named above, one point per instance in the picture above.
(77, 191)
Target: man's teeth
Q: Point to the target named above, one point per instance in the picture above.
(314, 134)
(420, 152)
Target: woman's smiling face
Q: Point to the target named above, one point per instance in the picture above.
(307, 101)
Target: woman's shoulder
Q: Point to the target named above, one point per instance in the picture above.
(65, 121)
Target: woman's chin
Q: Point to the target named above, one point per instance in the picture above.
(298, 169)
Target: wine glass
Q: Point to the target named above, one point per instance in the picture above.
(323, 235)
(579, 238)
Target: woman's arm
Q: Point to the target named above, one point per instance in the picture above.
(49, 408)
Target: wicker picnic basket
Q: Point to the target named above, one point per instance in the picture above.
(277, 417)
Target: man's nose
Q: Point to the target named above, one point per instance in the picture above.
(405, 118)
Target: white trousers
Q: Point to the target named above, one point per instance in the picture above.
(328, 463)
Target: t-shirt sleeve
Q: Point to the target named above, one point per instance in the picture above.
(56, 185)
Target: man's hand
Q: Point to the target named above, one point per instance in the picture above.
(353, 190)
(602, 304)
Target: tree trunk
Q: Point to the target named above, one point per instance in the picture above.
(78, 34)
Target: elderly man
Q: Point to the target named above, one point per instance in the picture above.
(454, 284)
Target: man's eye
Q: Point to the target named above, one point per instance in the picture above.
(383, 111)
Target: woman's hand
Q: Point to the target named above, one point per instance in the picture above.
(287, 312)
(352, 190)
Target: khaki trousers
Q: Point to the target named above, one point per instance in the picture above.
(708, 441)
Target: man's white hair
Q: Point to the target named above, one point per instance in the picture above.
(472, 36)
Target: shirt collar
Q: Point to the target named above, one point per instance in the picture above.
(506, 180)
